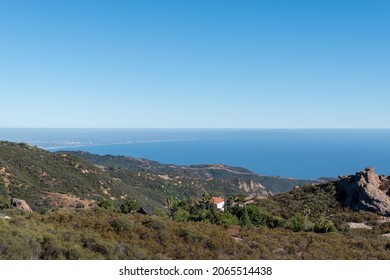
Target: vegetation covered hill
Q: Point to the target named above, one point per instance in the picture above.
(48, 180)
(203, 172)
(87, 211)
(302, 231)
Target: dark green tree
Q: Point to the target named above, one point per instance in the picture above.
(181, 215)
(245, 220)
(227, 218)
(297, 222)
(129, 206)
(106, 204)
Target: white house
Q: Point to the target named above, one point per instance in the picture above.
(219, 202)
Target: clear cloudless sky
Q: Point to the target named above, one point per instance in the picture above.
(195, 63)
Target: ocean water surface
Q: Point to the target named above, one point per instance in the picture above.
(301, 153)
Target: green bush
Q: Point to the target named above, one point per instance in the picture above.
(121, 224)
(181, 215)
(130, 206)
(324, 225)
(227, 218)
(297, 222)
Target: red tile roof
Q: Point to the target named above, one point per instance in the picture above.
(216, 199)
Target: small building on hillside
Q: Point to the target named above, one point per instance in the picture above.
(219, 202)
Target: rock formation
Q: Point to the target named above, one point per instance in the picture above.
(254, 188)
(20, 204)
(365, 191)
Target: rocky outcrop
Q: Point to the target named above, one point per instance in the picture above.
(365, 191)
(20, 204)
(254, 188)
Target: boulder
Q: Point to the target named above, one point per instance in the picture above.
(358, 225)
(5, 217)
(387, 235)
(20, 204)
(365, 191)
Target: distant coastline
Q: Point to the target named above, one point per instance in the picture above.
(295, 153)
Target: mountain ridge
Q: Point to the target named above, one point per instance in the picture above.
(47, 180)
(275, 184)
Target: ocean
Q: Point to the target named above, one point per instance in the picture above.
(298, 153)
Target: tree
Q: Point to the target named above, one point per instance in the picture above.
(181, 215)
(106, 204)
(255, 216)
(227, 218)
(244, 218)
(130, 206)
(297, 222)
(172, 205)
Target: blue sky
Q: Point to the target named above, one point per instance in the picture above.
(195, 64)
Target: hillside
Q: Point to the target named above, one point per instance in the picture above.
(48, 180)
(204, 172)
(306, 223)
(85, 211)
